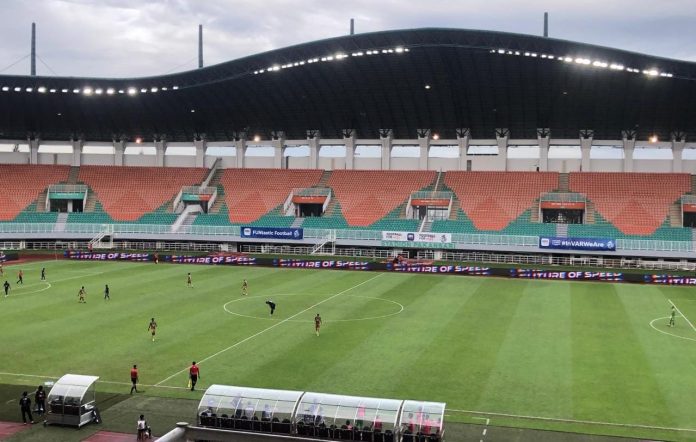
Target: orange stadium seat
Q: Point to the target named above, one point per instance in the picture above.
(22, 184)
(494, 199)
(368, 195)
(127, 192)
(635, 203)
(251, 193)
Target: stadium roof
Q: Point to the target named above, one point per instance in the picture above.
(405, 80)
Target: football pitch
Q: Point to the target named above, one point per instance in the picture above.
(571, 356)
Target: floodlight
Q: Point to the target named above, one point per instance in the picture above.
(427, 86)
(29, 89)
(138, 140)
(41, 89)
(87, 90)
(143, 90)
(110, 91)
(154, 89)
(653, 138)
(98, 91)
(5, 88)
(257, 138)
(436, 136)
(18, 89)
(53, 91)
(132, 91)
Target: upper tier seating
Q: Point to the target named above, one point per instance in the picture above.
(636, 203)
(251, 193)
(22, 184)
(493, 199)
(127, 193)
(369, 195)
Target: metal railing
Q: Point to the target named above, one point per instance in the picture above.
(688, 199)
(67, 188)
(198, 190)
(312, 191)
(340, 234)
(431, 195)
(564, 197)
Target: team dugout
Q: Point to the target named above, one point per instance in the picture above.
(72, 401)
(347, 417)
(321, 415)
(248, 409)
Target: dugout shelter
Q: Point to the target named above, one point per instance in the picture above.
(72, 401)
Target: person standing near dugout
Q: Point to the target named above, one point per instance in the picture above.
(6, 285)
(25, 406)
(194, 374)
(134, 379)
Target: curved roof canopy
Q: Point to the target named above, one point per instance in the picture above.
(406, 80)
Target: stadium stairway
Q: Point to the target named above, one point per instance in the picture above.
(297, 222)
(61, 221)
(562, 230)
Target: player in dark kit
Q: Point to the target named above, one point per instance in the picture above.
(134, 379)
(6, 286)
(317, 323)
(272, 305)
(672, 314)
(43, 273)
(106, 292)
(152, 327)
(25, 406)
(194, 374)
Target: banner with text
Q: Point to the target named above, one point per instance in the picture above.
(286, 233)
(554, 242)
(421, 237)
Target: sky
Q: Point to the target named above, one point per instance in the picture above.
(133, 38)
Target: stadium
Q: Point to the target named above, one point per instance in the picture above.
(494, 227)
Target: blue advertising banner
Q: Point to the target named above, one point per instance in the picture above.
(293, 233)
(554, 242)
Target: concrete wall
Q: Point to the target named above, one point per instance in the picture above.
(499, 162)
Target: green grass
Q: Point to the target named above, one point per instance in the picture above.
(556, 350)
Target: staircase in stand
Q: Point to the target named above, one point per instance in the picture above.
(324, 181)
(534, 215)
(41, 201)
(455, 210)
(439, 183)
(331, 208)
(61, 221)
(297, 222)
(91, 201)
(589, 213)
(563, 185)
(74, 175)
(425, 226)
(188, 220)
(675, 215)
(562, 230)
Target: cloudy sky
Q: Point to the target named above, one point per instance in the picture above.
(130, 38)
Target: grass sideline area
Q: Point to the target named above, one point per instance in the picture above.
(563, 356)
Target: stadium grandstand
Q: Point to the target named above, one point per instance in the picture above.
(424, 145)
(518, 136)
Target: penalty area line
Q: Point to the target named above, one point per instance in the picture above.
(682, 314)
(572, 421)
(207, 358)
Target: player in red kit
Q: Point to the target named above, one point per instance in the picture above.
(194, 374)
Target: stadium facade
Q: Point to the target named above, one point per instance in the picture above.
(436, 102)
(466, 88)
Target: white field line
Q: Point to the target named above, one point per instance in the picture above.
(573, 421)
(24, 375)
(652, 324)
(682, 315)
(482, 413)
(207, 358)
